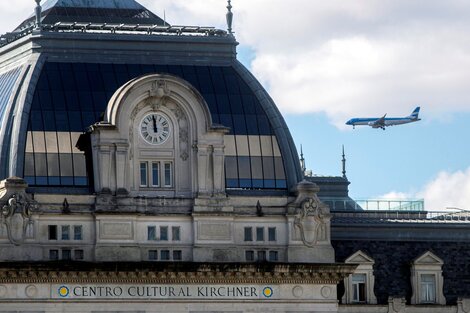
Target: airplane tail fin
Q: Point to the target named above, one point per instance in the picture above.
(414, 114)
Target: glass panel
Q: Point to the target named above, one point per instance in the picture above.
(273, 256)
(65, 232)
(259, 233)
(77, 232)
(175, 233)
(164, 233)
(143, 174)
(66, 254)
(244, 169)
(52, 231)
(359, 287)
(153, 255)
(156, 174)
(268, 167)
(165, 255)
(272, 233)
(248, 234)
(261, 256)
(168, 175)
(428, 288)
(256, 168)
(53, 254)
(249, 255)
(231, 167)
(151, 233)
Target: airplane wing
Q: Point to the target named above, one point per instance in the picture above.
(380, 123)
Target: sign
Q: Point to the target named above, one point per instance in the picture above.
(164, 292)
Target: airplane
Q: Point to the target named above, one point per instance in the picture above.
(382, 122)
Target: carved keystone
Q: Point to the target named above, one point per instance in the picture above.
(396, 305)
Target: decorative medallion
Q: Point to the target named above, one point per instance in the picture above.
(311, 219)
(17, 216)
(297, 291)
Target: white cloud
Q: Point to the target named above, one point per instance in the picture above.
(446, 190)
(343, 58)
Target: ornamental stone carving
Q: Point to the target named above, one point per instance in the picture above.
(311, 219)
(16, 210)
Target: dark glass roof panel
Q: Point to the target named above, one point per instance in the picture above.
(7, 82)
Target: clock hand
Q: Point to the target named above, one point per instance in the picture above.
(155, 129)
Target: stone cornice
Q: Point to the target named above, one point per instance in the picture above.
(174, 273)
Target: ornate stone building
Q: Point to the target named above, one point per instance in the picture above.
(145, 169)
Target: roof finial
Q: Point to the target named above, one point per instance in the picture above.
(302, 160)
(229, 17)
(344, 164)
(38, 14)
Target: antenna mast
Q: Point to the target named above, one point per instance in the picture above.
(344, 164)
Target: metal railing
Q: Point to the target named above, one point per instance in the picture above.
(348, 204)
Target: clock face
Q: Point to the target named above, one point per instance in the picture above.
(155, 128)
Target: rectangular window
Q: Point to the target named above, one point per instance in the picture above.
(65, 232)
(143, 174)
(261, 256)
(359, 287)
(77, 232)
(249, 255)
(163, 232)
(165, 255)
(151, 233)
(78, 254)
(177, 255)
(52, 232)
(153, 255)
(272, 233)
(259, 233)
(176, 233)
(273, 256)
(248, 234)
(156, 174)
(428, 288)
(168, 175)
(53, 254)
(66, 254)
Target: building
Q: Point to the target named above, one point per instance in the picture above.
(145, 169)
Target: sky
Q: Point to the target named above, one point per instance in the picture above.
(324, 62)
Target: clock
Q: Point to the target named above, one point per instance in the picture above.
(155, 128)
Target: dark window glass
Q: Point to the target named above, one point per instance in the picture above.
(272, 233)
(78, 254)
(259, 233)
(176, 233)
(223, 104)
(66, 254)
(151, 233)
(143, 174)
(281, 184)
(244, 170)
(232, 84)
(248, 231)
(45, 100)
(163, 232)
(165, 255)
(251, 125)
(53, 254)
(239, 125)
(249, 255)
(52, 231)
(232, 183)
(261, 256)
(58, 100)
(245, 183)
(153, 255)
(65, 230)
(268, 167)
(249, 106)
(226, 120)
(257, 183)
(270, 183)
(256, 168)
(36, 121)
(231, 167)
(263, 125)
(29, 164)
(77, 232)
(177, 255)
(62, 121)
(205, 83)
(279, 168)
(236, 104)
(40, 164)
(273, 256)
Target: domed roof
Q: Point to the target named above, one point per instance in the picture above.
(63, 87)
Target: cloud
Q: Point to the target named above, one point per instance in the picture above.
(342, 58)
(446, 190)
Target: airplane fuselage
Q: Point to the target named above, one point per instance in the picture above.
(382, 122)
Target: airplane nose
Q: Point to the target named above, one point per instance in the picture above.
(348, 122)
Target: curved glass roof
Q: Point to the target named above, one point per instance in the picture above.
(69, 97)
